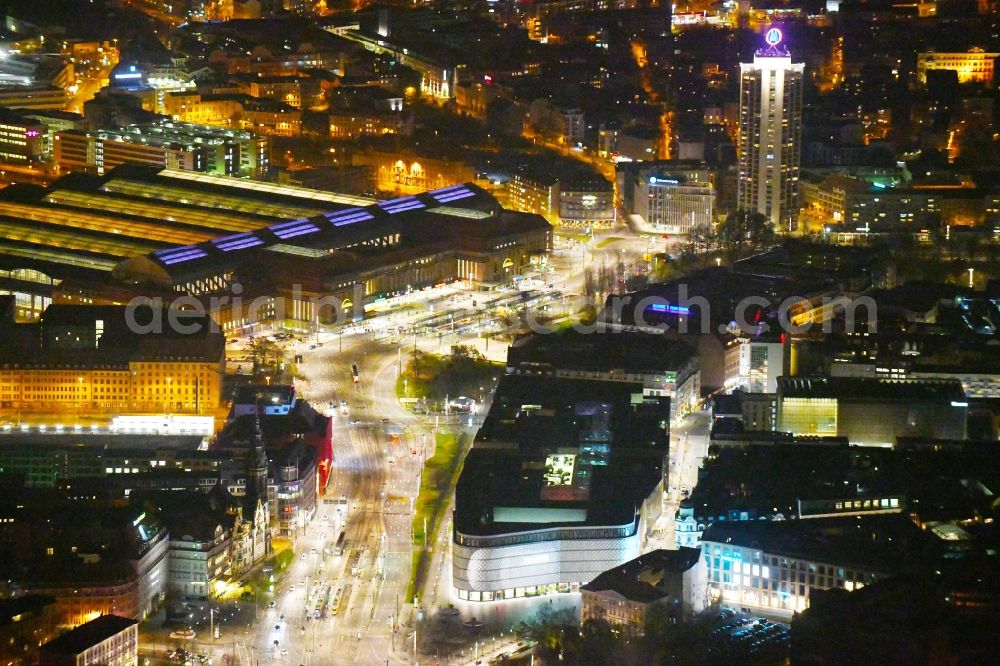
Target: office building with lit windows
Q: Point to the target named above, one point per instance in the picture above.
(164, 144)
(770, 133)
(587, 202)
(22, 139)
(39, 97)
(773, 566)
(563, 482)
(763, 358)
(85, 360)
(673, 205)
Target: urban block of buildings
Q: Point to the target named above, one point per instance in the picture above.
(563, 481)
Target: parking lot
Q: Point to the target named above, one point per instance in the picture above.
(740, 636)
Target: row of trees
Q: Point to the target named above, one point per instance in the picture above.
(561, 639)
(435, 376)
(742, 233)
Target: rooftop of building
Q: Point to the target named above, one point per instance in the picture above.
(343, 240)
(63, 541)
(263, 395)
(600, 351)
(17, 116)
(250, 103)
(89, 634)
(302, 418)
(166, 133)
(556, 451)
(18, 609)
(866, 389)
(723, 288)
(887, 621)
(933, 482)
(881, 543)
(640, 579)
(85, 336)
(121, 443)
(190, 515)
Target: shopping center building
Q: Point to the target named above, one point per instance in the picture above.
(563, 482)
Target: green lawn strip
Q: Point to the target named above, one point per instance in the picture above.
(436, 485)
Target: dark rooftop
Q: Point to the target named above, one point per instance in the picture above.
(639, 579)
(613, 439)
(89, 634)
(881, 543)
(626, 351)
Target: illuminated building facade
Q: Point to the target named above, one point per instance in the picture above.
(587, 202)
(201, 536)
(34, 97)
(674, 205)
(403, 174)
(168, 145)
(773, 566)
(70, 371)
(26, 622)
(770, 133)
(762, 361)
(976, 66)
(347, 125)
(534, 194)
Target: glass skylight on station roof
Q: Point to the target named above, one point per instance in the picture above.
(453, 193)
(78, 219)
(349, 216)
(72, 239)
(470, 213)
(54, 256)
(237, 242)
(177, 255)
(285, 248)
(401, 204)
(187, 197)
(270, 188)
(294, 228)
(164, 213)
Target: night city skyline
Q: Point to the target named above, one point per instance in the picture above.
(510, 332)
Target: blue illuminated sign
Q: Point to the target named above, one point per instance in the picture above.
(667, 307)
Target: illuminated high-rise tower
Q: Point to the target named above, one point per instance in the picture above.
(770, 133)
